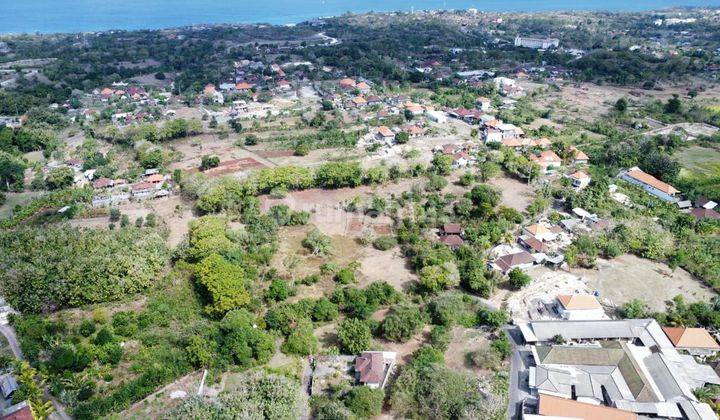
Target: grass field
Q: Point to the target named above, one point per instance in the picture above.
(699, 160)
(14, 199)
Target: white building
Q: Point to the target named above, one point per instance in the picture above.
(650, 184)
(536, 43)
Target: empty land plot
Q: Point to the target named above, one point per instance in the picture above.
(465, 341)
(629, 277)
(515, 194)
(699, 160)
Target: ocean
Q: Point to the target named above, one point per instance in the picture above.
(51, 16)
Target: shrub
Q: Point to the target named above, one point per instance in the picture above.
(365, 402)
(346, 275)
(491, 318)
(324, 310)
(440, 337)
(317, 243)
(87, 328)
(104, 336)
(279, 290)
(485, 358)
(518, 279)
(383, 243)
(301, 340)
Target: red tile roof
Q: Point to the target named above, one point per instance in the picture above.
(371, 367)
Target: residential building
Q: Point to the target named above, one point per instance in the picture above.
(580, 179)
(372, 368)
(650, 184)
(579, 157)
(548, 160)
(702, 213)
(19, 411)
(580, 307)
(506, 263)
(557, 408)
(693, 340)
(541, 232)
(451, 229)
(452, 241)
(385, 134)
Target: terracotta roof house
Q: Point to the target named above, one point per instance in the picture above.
(363, 87)
(413, 130)
(532, 243)
(513, 143)
(691, 338)
(508, 262)
(541, 232)
(580, 179)
(347, 83)
(209, 89)
(580, 307)
(650, 184)
(579, 157)
(452, 229)
(559, 407)
(102, 183)
(373, 367)
(384, 133)
(155, 178)
(243, 86)
(542, 143)
(359, 101)
(703, 213)
(548, 160)
(453, 241)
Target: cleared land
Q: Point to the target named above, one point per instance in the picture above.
(699, 160)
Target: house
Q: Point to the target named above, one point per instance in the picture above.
(462, 159)
(509, 262)
(373, 99)
(155, 179)
(102, 183)
(243, 87)
(552, 407)
(541, 232)
(414, 109)
(363, 87)
(580, 179)
(359, 102)
(693, 340)
(510, 131)
(548, 160)
(513, 143)
(413, 131)
(580, 306)
(385, 134)
(483, 103)
(579, 157)
(701, 213)
(650, 184)
(451, 229)
(492, 134)
(142, 189)
(75, 163)
(453, 241)
(19, 411)
(347, 84)
(532, 244)
(372, 368)
(703, 202)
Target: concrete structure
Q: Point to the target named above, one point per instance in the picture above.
(536, 43)
(629, 365)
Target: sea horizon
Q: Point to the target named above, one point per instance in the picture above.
(75, 16)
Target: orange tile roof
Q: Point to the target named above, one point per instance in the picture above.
(579, 302)
(385, 132)
(562, 407)
(697, 338)
(537, 229)
(362, 85)
(549, 156)
(512, 142)
(579, 154)
(648, 179)
(579, 175)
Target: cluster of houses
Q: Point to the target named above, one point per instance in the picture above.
(463, 154)
(116, 191)
(544, 242)
(582, 364)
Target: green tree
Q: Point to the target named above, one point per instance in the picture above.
(354, 336)
(224, 283)
(402, 323)
(301, 340)
(59, 178)
(518, 278)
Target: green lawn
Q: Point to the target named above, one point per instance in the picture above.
(14, 199)
(699, 160)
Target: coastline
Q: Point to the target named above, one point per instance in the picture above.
(122, 17)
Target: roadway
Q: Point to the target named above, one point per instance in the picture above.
(519, 363)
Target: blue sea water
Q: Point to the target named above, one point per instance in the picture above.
(49, 16)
